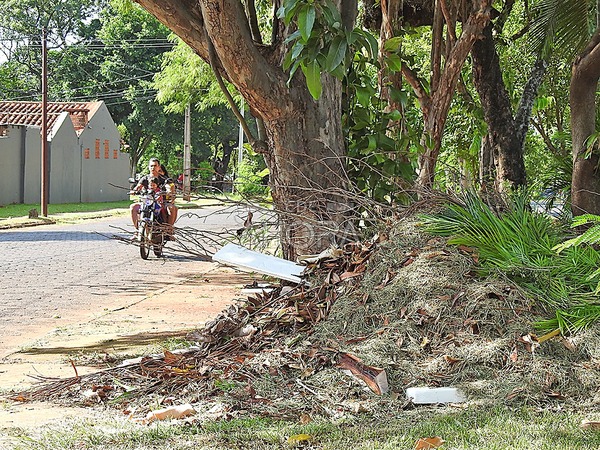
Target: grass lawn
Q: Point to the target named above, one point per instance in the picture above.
(22, 210)
(474, 428)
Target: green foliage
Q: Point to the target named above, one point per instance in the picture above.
(560, 26)
(321, 43)
(203, 173)
(382, 145)
(21, 22)
(185, 79)
(521, 244)
(250, 176)
(590, 236)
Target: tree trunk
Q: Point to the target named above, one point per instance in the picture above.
(435, 107)
(390, 27)
(307, 170)
(487, 167)
(305, 145)
(585, 190)
(505, 143)
(220, 165)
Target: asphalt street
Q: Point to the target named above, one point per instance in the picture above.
(52, 274)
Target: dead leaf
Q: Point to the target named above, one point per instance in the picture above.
(450, 360)
(389, 276)
(374, 377)
(456, 297)
(568, 343)
(514, 355)
(305, 419)
(332, 278)
(347, 275)
(408, 262)
(356, 339)
(298, 438)
(590, 425)
(556, 395)
(514, 393)
(436, 254)
(172, 412)
(429, 443)
(250, 390)
(530, 341)
(473, 325)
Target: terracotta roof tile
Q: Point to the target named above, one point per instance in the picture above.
(30, 113)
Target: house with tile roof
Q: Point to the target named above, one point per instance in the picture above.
(85, 161)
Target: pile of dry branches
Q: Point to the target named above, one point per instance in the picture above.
(408, 306)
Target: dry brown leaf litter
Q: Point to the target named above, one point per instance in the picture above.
(410, 305)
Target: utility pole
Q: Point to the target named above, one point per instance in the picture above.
(187, 160)
(44, 168)
(240, 154)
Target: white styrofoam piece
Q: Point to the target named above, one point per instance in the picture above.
(426, 395)
(249, 291)
(249, 260)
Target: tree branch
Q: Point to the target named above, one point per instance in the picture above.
(257, 146)
(253, 21)
(411, 77)
(528, 96)
(262, 84)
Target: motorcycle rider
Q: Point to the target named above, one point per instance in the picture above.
(154, 167)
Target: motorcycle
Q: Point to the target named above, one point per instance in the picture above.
(152, 226)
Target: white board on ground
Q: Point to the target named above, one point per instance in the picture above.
(251, 261)
(427, 395)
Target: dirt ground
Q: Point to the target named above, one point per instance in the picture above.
(135, 329)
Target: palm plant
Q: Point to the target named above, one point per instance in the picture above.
(522, 245)
(560, 27)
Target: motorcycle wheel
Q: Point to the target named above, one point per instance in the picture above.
(158, 244)
(145, 240)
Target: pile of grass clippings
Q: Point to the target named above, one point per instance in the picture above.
(436, 323)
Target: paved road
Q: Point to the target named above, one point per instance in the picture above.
(54, 273)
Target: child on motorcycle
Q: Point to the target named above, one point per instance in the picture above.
(160, 201)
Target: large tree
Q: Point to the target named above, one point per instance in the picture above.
(502, 162)
(563, 27)
(585, 188)
(450, 47)
(134, 43)
(21, 24)
(304, 143)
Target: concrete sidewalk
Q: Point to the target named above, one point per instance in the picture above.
(138, 327)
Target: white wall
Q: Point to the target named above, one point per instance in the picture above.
(103, 166)
(64, 162)
(73, 177)
(11, 161)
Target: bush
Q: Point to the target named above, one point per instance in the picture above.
(251, 178)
